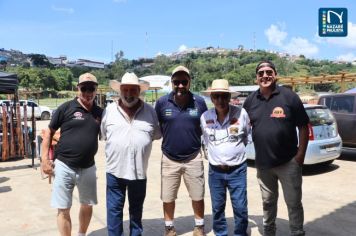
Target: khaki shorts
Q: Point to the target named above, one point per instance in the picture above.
(193, 175)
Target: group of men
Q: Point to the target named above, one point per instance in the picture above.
(129, 126)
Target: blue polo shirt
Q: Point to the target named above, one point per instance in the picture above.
(180, 126)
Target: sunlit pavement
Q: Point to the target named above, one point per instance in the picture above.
(329, 199)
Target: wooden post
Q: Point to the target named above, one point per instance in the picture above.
(25, 130)
(5, 141)
(19, 130)
(12, 135)
(33, 141)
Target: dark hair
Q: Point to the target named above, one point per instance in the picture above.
(269, 63)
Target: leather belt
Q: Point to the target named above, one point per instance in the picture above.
(224, 168)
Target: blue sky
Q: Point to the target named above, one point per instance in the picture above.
(145, 28)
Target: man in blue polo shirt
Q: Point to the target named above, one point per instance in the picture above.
(179, 116)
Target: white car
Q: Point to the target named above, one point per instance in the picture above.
(324, 140)
(41, 112)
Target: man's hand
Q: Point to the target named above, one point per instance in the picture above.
(47, 166)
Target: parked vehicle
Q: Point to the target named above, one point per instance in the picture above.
(343, 107)
(41, 112)
(324, 141)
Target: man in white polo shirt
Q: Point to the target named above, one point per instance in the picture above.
(129, 126)
(225, 130)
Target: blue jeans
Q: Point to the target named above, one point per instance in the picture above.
(235, 182)
(115, 201)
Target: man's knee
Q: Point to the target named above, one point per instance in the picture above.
(64, 213)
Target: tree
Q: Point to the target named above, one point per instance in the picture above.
(40, 60)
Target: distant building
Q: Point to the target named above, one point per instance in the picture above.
(89, 63)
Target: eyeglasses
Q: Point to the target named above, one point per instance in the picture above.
(262, 72)
(89, 89)
(224, 96)
(178, 82)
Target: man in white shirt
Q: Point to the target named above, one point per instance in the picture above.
(129, 126)
(225, 130)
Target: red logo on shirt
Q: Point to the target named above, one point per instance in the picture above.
(278, 112)
(234, 121)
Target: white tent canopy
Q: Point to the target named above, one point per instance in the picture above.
(159, 81)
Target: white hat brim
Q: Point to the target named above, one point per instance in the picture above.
(115, 85)
(209, 91)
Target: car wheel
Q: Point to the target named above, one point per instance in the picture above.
(45, 115)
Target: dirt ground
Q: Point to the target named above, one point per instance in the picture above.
(329, 199)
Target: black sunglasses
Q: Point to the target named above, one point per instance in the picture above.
(178, 82)
(224, 96)
(262, 72)
(89, 89)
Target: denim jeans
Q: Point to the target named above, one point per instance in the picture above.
(115, 201)
(235, 182)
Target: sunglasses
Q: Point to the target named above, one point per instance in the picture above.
(178, 82)
(262, 72)
(89, 89)
(224, 96)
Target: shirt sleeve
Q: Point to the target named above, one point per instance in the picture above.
(103, 125)
(57, 118)
(203, 127)
(158, 110)
(301, 117)
(246, 125)
(157, 129)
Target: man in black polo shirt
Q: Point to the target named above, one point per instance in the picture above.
(179, 116)
(275, 112)
(79, 123)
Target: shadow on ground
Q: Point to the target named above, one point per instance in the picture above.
(184, 225)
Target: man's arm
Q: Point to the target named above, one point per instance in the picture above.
(303, 143)
(46, 164)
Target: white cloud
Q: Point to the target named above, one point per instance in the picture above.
(298, 46)
(277, 36)
(349, 57)
(62, 9)
(182, 48)
(346, 42)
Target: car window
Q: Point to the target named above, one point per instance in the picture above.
(342, 104)
(320, 116)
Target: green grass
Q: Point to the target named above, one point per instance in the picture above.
(52, 103)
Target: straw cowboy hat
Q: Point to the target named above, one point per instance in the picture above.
(220, 86)
(128, 79)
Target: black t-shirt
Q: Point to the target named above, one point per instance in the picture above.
(274, 123)
(78, 142)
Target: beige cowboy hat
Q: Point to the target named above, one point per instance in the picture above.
(221, 86)
(129, 79)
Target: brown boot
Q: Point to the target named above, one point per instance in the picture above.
(199, 230)
(170, 231)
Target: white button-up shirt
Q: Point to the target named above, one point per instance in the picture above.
(226, 142)
(129, 142)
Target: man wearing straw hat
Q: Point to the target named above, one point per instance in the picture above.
(225, 130)
(79, 123)
(129, 126)
(179, 115)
